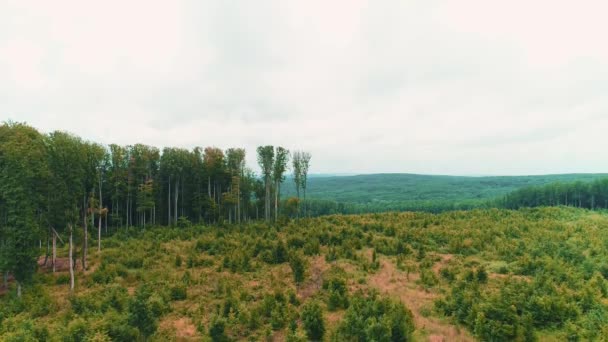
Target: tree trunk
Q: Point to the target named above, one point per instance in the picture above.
(85, 242)
(54, 251)
(71, 262)
(99, 225)
(176, 198)
(276, 201)
(169, 203)
(304, 202)
(19, 289)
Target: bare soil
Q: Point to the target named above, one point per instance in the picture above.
(391, 281)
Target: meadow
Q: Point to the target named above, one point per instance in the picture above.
(492, 275)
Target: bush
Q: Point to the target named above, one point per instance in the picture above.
(178, 292)
(370, 318)
(141, 314)
(216, 329)
(313, 321)
(298, 268)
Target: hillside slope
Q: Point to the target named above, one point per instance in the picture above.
(403, 187)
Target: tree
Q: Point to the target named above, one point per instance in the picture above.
(278, 174)
(305, 162)
(236, 165)
(266, 162)
(296, 159)
(141, 314)
(314, 323)
(22, 168)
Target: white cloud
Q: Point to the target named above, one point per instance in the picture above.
(461, 87)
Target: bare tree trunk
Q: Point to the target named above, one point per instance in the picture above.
(54, 251)
(85, 241)
(169, 202)
(99, 225)
(176, 198)
(304, 202)
(71, 262)
(19, 289)
(276, 201)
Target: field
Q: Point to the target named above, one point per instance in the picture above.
(461, 276)
(393, 192)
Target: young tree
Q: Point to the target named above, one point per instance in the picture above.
(266, 162)
(314, 323)
(278, 174)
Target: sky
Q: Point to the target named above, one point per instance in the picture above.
(465, 87)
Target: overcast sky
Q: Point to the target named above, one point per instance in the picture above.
(448, 87)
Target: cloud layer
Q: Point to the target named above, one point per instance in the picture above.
(457, 87)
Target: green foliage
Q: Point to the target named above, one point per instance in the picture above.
(409, 192)
(371, 318)
(217, 329)
(178, 292)
(142, 313)
(298, 267)
(313, 321)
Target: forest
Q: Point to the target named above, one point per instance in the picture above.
(432, 193)
(130, 243)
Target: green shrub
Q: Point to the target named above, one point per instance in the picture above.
(217, 329)
(370, 318)
(178, 292)
(298, 267)
(313, 321)
(141, 313)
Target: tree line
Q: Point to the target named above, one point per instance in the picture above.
(590, 195)
(57, 185)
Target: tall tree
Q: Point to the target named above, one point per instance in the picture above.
(304, 175)
(236, 164)
(266, 162)
(296, 159)
(281, 161)
(22, 167)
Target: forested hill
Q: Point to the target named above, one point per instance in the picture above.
(398, 192)
(390, 187)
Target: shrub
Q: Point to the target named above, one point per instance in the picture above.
(370, 318)
(141, 314)
(216, 329)
(178, 292)
(298, 268)
(313, 321)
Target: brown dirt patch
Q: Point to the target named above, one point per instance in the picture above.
(182, 328)
(62, 264)
(445, 259)
(391, 281)
(317, 266)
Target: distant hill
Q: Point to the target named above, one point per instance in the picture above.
(403, 187)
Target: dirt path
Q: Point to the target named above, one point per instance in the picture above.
(393, 282)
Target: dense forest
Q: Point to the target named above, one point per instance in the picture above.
(590, 195)
(411, 192)
(58, 186)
